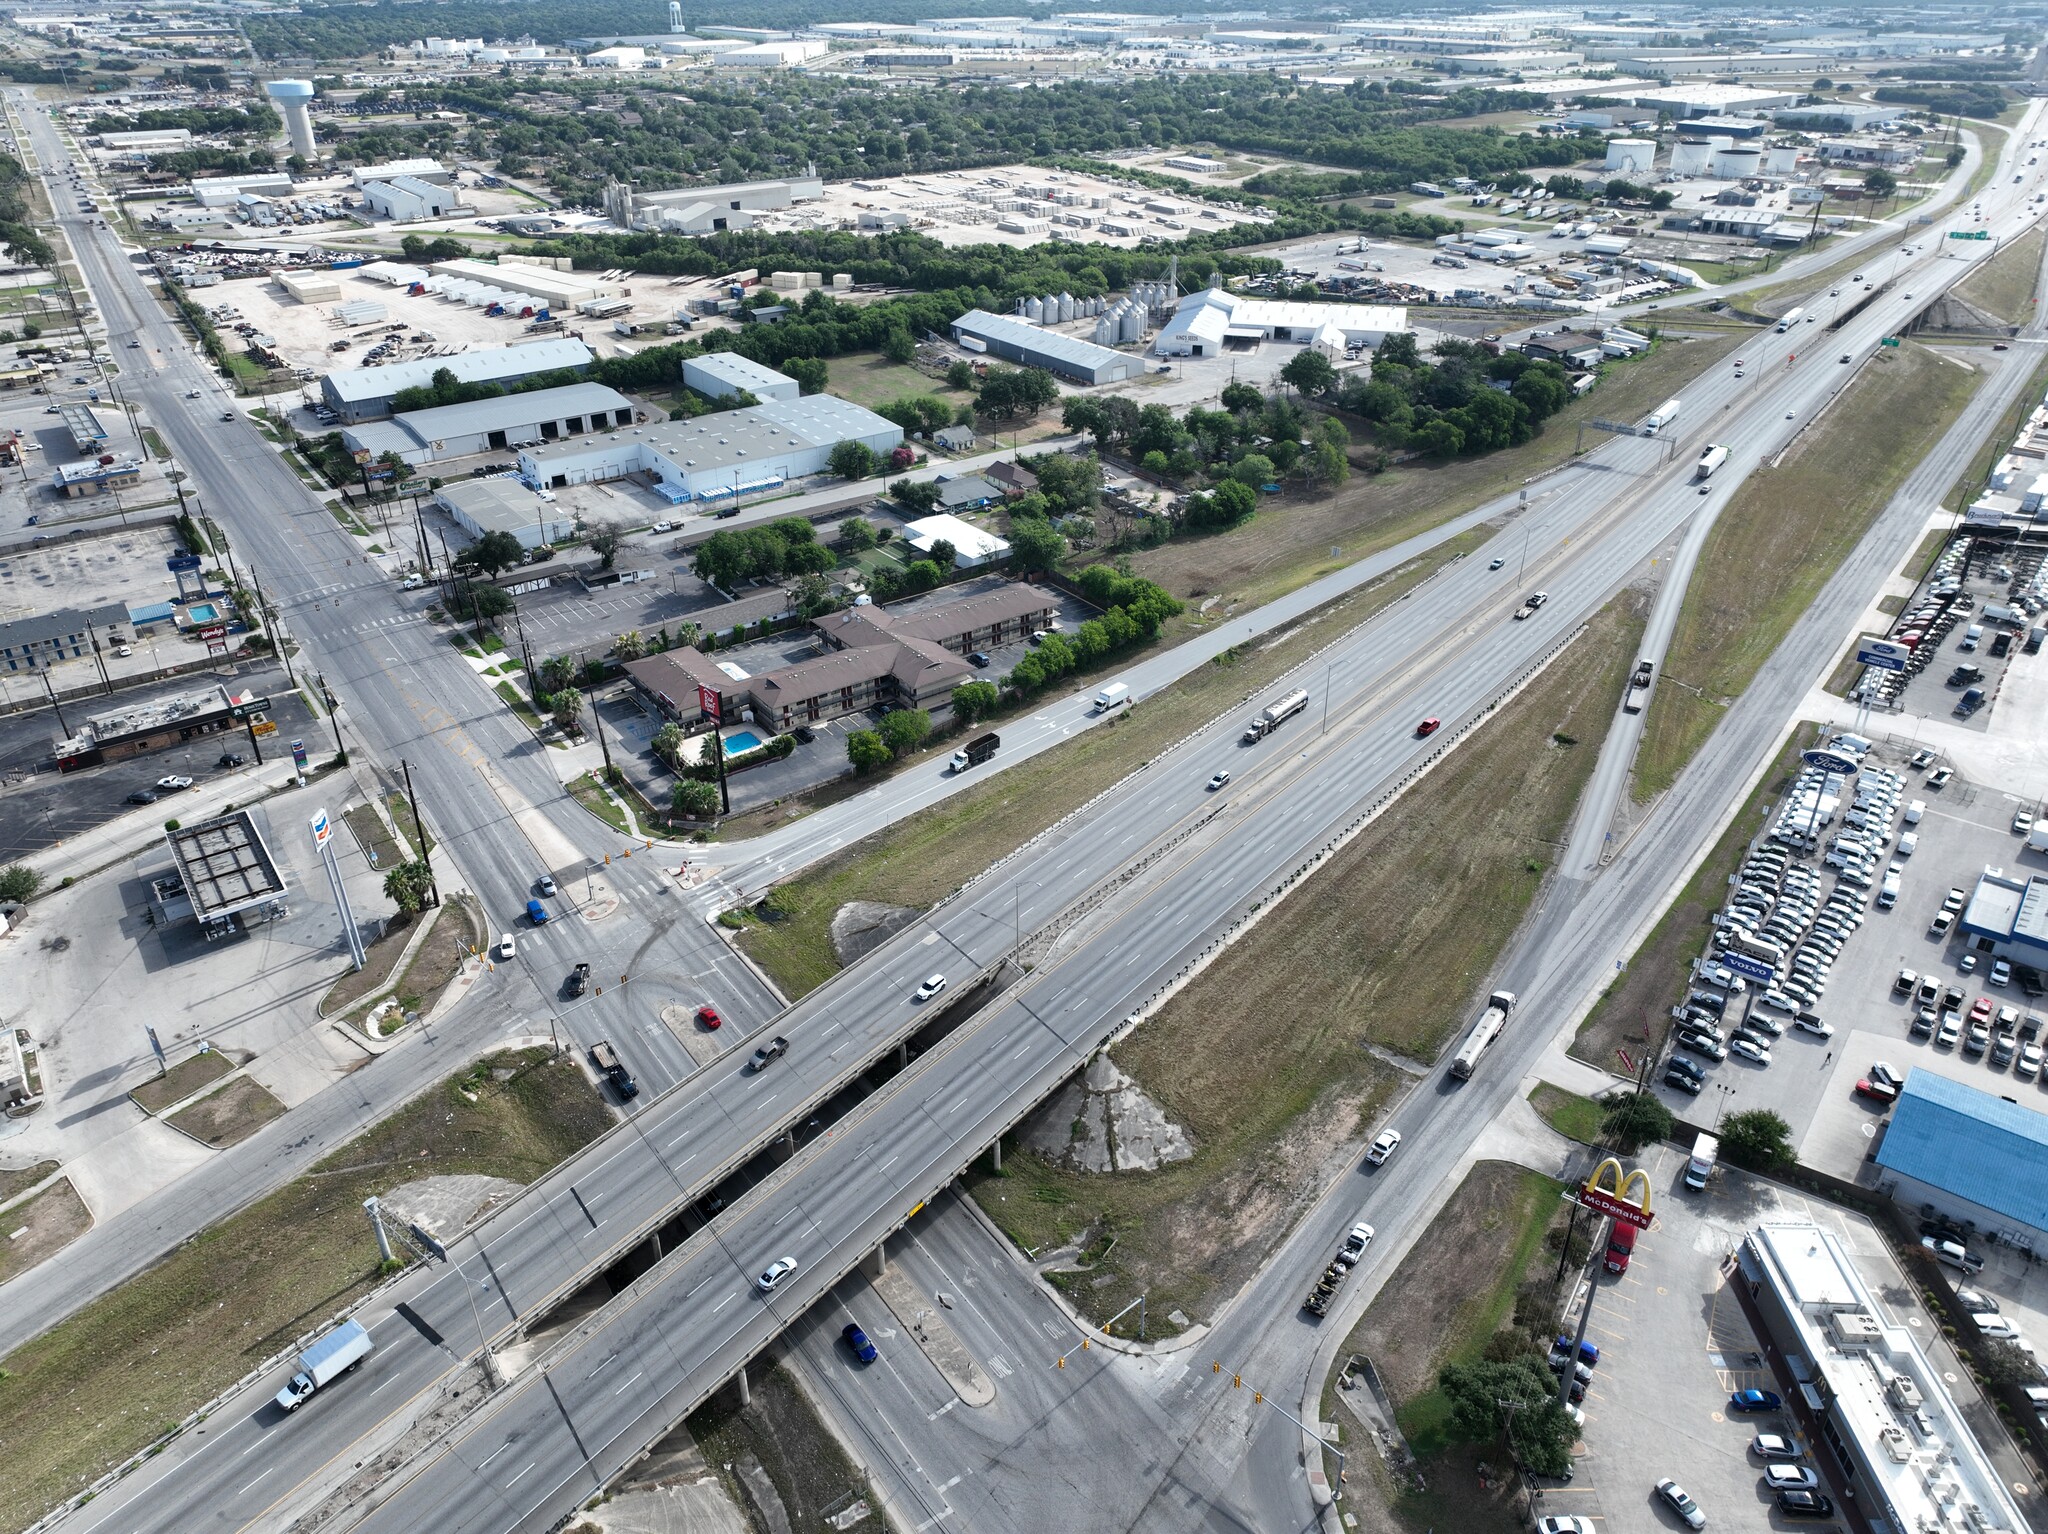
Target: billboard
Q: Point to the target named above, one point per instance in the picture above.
(1829, 761)
(321, 829)
(1885, 654)
(1742, 964)
(1615, 1200)
(707, 700)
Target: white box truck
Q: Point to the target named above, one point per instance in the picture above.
(1115, 696)
(1706, 1150)
(324, 1361)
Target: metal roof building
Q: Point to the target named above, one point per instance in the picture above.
(1018, 341)
(363, 394)
(729, 453)
(504, 504)
(223, 870)
(494, 425)
(1972, 1154)
(717, 375)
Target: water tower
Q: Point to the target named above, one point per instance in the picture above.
(292, 97)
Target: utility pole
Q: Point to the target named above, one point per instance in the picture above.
(55, 707)
(420, 829)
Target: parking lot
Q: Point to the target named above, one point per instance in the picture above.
(1675, 1342)
(1811, 1081)
(1966, 622)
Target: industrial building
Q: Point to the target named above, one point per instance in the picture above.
(720, 375)
(1880, 1403)
(2007, 918)
(364, 394)
(873, 659)
(505, 504)
(391, 170)
(407, 199)
(310, 287)
(145, 140)
(1205, 323)
(65, 633)
(224, 191)
(1980, 1159)
(708, 209)
(509, 421)
(730, 454)
(1020, 341)
(557, 289)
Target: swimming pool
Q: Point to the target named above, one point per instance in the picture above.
(202, 612)
(742, 742)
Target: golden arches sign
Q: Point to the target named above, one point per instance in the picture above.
(1614, 1199)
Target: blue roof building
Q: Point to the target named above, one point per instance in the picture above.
(1971, 1154)
(2007, 917)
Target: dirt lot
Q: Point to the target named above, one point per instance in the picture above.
(1288, 543)
(229, 1116)
(1630, 1014)
(1379, 951)
(50, 1221)
(1781, 537)
(1452, 1292)
(917, 863)
(75, 1403)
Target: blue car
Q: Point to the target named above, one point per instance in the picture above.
(536, 913)
(857, 1339)
(1754, 1400)
(1588, 1353)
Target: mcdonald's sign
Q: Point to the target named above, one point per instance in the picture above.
(1614, 1200)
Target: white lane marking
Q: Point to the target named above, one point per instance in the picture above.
(515, 1479)
(495, 1453)
(621, 1389)
(890, 1162)
(245, 1490)
(715, 1309)
(950, 1484)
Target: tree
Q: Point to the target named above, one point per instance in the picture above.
(809, 372)
(975, 700)
(1513, 1400)
(899, 348)
(942, 554)
(1397, 350)
(556, 672)
(1757, 1139)
(409, 886)
(1232, 502)
(852, 460)
(566, 707)
(918, 495)
(1881, 184)
(864, 748)
(668, 744)
(960, 374)
(491, 553)
(857, 534)
(481, 604)
(921, 575)
(1636, 1120)
(1253, 470)
(1035, 545)
(604, 543)
(2005, 1362)
(1309, 372)
(19, 882)
(903, 730)
(629, 645)
(694, 797)
(1240, 398)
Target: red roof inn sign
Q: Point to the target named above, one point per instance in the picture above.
(1615, 1200)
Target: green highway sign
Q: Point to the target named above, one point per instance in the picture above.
(1889, 341)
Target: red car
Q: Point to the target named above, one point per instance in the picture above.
(708, 1017)
(1878, 1089)
(1982, 1010)
(1427, 727)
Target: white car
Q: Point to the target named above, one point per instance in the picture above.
(932, 986)
(1218, 781)
(1790, 1478)
(1806, 1022)
(1749, 1049)
(1384, 1147)
(771, 1279)
(173, 784)
(1569, 1524)
(505, 946)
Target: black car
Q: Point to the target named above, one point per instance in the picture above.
(804, 735)
(1800, 1503)
(143, 796)
(579, 979)
(979, 661)
(232, 759)
(1679, 1081)
(1686, 1067)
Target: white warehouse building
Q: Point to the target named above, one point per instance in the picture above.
(1202, 322)
(407, 199)
(720, 375)
(730, 454)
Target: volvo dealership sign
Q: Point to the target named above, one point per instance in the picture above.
(1752, 969)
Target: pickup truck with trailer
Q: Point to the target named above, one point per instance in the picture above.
(1528, 608)
(1639, 687)
(1271, 718)
(1483, 1033)
(1332, 1277)
(324, 1361)
(975, 752)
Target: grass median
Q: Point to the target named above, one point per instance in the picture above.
(1289, 542)
(125, 1368)
(1378, 957)
(1782, 536)
(2003, 287)
(923, 859)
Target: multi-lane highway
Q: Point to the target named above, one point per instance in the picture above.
(560, 1428)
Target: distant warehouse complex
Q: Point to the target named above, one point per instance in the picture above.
(492, 425)
(1020, 341)
(732, 453)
